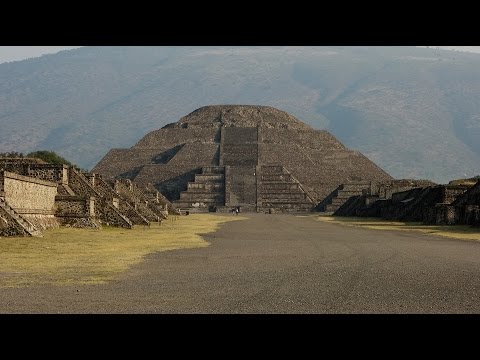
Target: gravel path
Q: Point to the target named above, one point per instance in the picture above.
(282, 264)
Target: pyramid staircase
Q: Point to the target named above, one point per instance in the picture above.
(280, 191)
(341, 194)
(206, 192)
(26, 226)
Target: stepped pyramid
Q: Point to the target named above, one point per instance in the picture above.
(256, 157)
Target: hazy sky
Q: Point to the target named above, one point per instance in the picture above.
(14, 53)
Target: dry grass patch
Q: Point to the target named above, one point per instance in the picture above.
(87, 256)
(463, 232)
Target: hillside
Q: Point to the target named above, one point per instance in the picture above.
(413, 111)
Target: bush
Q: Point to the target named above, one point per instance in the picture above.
(52, 158)
(49, 157)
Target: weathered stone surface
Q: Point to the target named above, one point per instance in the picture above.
(130, 193)
(72, 206)
(240, 137)
(39, 196)
(242, 116)
(467, 206)
(28, 195)
(9, 226)
(18, 165)
(80, 222)
(27, 204)
(107, 212)
(428, 204)
(373, 190)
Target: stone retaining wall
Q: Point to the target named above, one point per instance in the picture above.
(33, 199)
(8, 225)
(50, 172)
(76, 211)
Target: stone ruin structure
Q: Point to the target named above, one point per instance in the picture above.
(35, 196)
(466, 207)
(347, 197)
(217, 158)
(26, 205)
(256, 157)
(453, 203)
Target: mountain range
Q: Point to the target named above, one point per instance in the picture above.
(414, 111)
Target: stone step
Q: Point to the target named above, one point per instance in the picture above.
(286, 202)
(279, 186)
(200, 192)
(237, 156)
(284, 210)
(68, 189)
(209, 178)
(243, 208)
(213, 170)
(348, 193)
(281, 202)
(191, 205)
(276, 183)
(210, 186)
(201, 196)
(12, 212)
(197, 210)
(272, 170)
(279, 192)
(283, 196)
(238, 145)
(29, 228)
(240, 161)
(298, 207)
(277, 178)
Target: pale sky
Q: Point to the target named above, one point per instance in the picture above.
(15, 53)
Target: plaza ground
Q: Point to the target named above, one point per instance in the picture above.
(278, 264)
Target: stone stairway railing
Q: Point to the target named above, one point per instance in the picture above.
(136, 198)
(108, 213)
(126, 206)
(281, 191)
(28, 227)
(309, 195)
